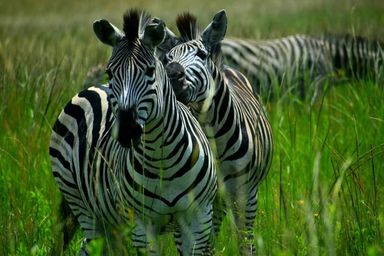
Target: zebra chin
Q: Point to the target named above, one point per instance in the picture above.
(127, 135)
(181, 90)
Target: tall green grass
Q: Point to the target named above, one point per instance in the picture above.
(324, 193)
(324, 185)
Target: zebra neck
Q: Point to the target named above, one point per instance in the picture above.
(160, 133)
(221, 107)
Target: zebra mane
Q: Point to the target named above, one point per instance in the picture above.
(187, 25)
(217, 56)
(134, 21)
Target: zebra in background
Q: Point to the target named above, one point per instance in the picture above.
(293, 62)
(150, 157)
(302, 59)
(231, 116)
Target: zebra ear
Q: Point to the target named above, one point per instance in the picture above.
(154, 33)
(216, 30)
(106, 32)
(170, 41)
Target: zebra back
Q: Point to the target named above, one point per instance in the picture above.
(357, 56)
(275, 62)
(302, 60)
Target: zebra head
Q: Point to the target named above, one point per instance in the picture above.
(189, 63)
(135, 76)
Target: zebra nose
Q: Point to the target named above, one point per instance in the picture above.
(128, 115)
(126, 130)
(175, 72)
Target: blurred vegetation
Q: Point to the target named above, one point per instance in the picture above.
(324, 194)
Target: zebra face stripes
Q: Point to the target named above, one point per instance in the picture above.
(192, 59)
(194, 85)
(131, 70)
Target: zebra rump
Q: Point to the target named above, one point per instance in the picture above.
(83, 163)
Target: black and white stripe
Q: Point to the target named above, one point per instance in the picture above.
(232, 118)
(302, 59)
(85, 161)
(159, 166)
(299, 63)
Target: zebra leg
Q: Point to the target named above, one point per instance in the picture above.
(250, 215)
(244, 211)
(238, 211)
(84, 251)
(193, 234)
(90, 233)
(69, 226)
(144, 238)
(83, 247)
(85, 219)
(218, 215)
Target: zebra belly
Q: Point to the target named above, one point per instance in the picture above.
(163, 200)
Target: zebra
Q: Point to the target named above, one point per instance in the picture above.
(154, 159)
(290, 63)
(81, 152)
(232, 118)
(298, 60)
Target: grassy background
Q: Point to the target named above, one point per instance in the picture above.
(324, 194)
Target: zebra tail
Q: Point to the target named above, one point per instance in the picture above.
(66, 229)
(356, 56)
(69, 224)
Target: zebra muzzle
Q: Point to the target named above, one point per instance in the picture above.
(126, 130)
(175, 71)
(177, 77)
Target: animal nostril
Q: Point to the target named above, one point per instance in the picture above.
(175, 71)
(128, 115)
(126, 130)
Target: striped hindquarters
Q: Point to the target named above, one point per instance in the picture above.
(80, 149)
(269, 63)
(302, 59)
(357, 56)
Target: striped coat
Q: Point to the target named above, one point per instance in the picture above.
(232, 118)
(141, 152)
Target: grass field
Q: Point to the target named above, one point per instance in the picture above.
(324, 193)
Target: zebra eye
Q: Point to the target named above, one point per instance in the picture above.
(109, 73)
(150, 71)
(201, 54)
